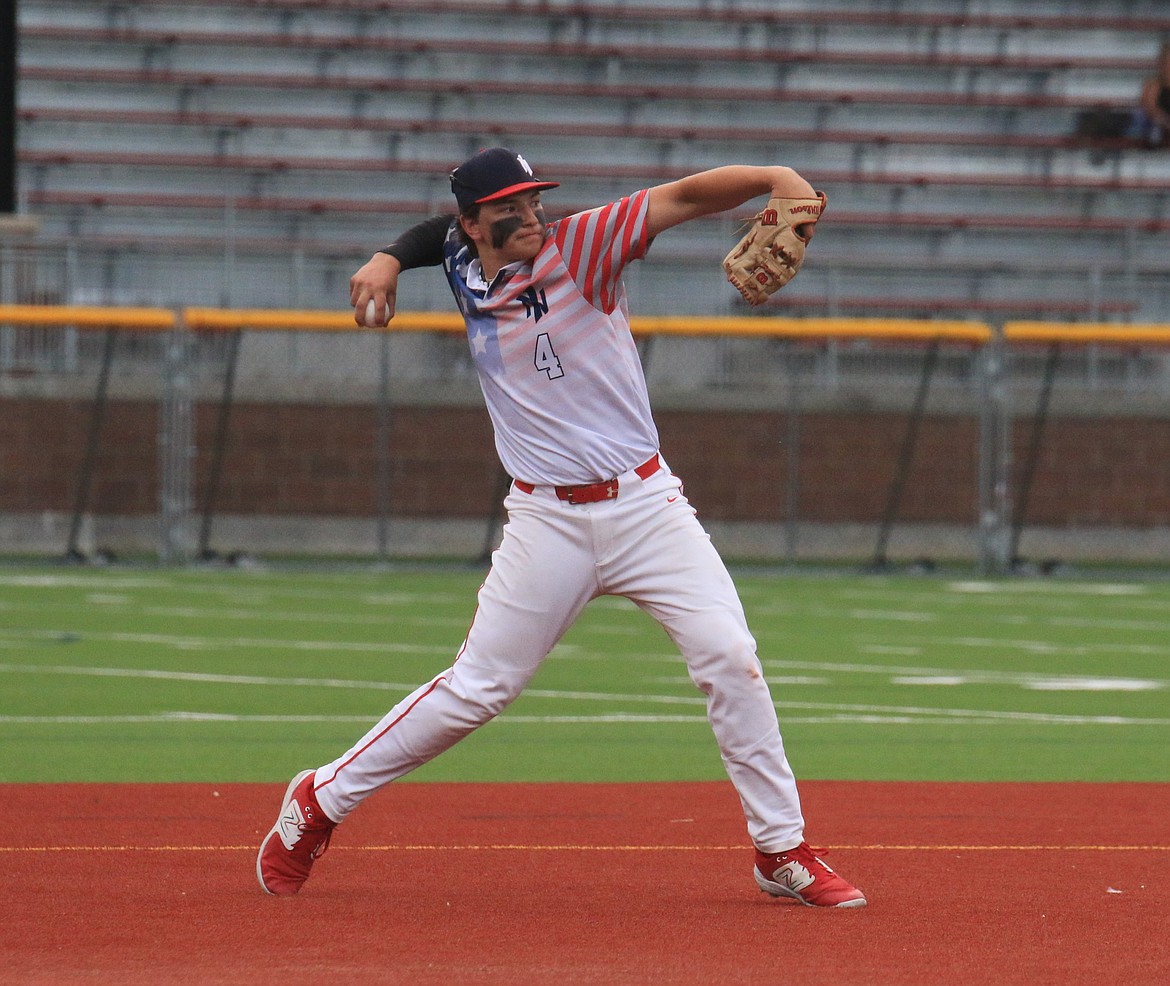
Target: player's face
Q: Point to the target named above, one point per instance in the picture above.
(513, 228)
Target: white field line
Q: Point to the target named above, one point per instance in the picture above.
(352, 587)
(1015, 588)
(203, 643)
(511, 847)
(1027, 679)
(205, 677)
(1048, 647)
(81, 580)
(260, 593)
(994, 619)
(832, 711)
(192, 642)
(611, 718)
(286, 616)
(260, 614)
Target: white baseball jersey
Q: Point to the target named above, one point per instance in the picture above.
(551, 341)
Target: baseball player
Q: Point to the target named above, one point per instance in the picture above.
(593, 508)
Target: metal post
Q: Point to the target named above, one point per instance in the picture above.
(995, 454)
(229, 252)
(1039, 420)
(905, 457)
(792, 456)
(219, 445)
(175, 447)
(382, 457)
(93, 440)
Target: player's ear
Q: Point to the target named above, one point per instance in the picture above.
(470, 225)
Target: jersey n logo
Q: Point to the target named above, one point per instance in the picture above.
(535, 303)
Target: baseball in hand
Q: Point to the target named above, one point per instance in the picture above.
(370, 321)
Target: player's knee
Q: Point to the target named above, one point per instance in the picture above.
(487, 692)
(725, 662)
(718, 642)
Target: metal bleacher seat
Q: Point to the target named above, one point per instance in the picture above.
(943, 136)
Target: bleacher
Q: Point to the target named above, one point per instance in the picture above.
(264, 130)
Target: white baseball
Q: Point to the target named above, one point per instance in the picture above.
(369, 320)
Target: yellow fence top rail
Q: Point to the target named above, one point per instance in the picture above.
(216, 319)
(1087, 332)
(290, 320)
(281, 320)
(88, 316)
(271, 319)
(813, 328)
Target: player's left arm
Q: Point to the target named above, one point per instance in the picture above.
(709, 192)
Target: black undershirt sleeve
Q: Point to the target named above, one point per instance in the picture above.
(422, 244)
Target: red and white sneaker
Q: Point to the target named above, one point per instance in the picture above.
(301, 834)
(800, 874)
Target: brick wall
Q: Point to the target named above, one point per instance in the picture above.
(320, 460)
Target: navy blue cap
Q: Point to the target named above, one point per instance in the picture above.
(493, 174)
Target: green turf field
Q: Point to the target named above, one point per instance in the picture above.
(143, 674)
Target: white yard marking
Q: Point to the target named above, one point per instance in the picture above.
(829, 711)
(1041, 683)
(261, 613)
(216, 643)
(936, 679)
(1094, 685)
(601, 719)
(912, 675)
(1047, 647)
(100, 580)
(206, 678)
(897, 615)
(1050, 588)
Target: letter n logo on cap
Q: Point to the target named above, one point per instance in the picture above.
(524, 164)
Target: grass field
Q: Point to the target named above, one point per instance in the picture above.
(141, 674)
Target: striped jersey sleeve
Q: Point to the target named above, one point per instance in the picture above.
(596, 245)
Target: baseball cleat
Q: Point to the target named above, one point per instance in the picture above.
(300, 835)
(800, 874)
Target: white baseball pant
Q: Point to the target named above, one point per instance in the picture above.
(554, 557)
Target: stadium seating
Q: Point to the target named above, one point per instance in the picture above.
(944, 135)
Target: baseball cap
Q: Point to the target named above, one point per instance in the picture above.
(491, 174)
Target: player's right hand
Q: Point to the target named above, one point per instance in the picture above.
(376, 281)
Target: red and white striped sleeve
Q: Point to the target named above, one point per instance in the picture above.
(596, 245)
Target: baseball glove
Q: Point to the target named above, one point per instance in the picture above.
(772, 250)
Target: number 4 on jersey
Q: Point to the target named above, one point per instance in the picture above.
(546, 359)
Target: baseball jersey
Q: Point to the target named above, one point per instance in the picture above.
(552, 346)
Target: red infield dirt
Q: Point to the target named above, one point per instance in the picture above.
(587, 883)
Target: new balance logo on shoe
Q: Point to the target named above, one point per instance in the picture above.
(291, 824)
(301, 834)
(793, 876)
(801, 875)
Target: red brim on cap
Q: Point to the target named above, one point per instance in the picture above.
(524, 186)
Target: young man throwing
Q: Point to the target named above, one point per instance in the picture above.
(593, 508)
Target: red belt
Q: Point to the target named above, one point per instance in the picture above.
(594, 492)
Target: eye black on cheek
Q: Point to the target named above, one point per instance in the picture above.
(501, 229)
